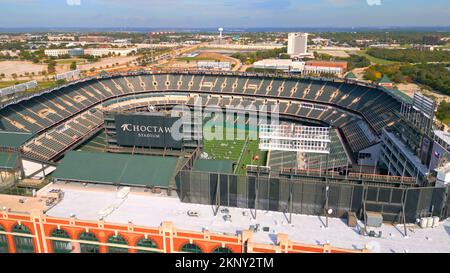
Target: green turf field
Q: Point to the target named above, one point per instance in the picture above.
(374, 59)
(241, 152)
(41, 85)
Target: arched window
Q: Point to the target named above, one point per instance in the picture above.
(222, 250)
(147, 244)
(117, 240)
(21, 229)
(191, 248)
(86, 247)
(3, 242)
(58, 245)
(23, 244)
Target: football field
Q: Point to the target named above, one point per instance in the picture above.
(242, 151)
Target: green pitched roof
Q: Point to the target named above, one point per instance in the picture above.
(13, 139)
(385, 79)
(121, 169)
(213, 166)
(350, 75)
(8, 161)
(401, 95)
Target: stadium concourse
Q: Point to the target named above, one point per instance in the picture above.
(132, 200)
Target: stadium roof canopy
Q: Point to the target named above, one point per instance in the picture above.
(107, 168)
(399, 94)
(14, 139)
(8, 161)
(385, 79)
(213, 166)
(350, 75)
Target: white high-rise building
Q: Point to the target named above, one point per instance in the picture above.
(297, 43)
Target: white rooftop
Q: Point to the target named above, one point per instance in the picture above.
(445, 136)
(274, 62)
(147, 209)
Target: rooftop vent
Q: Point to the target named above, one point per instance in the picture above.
(193, 213)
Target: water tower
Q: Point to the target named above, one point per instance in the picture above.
(220, 33)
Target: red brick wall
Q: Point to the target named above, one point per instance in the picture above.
(173, 239)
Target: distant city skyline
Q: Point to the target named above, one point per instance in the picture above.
(226, 13)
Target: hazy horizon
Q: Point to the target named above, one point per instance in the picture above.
(163, 14)
(13, 30)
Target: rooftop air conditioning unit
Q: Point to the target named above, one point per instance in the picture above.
(227, 218)
(435, 222)
(193, 213)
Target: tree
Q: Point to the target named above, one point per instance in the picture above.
(60, 82)
(443, 112)
(51, 67)
(410, 55)
(73, 66)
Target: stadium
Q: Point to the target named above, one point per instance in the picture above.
(97, 189)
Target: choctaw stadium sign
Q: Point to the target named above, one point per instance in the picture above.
(146, 130)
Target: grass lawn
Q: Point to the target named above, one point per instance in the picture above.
(373, 59)
(45, 85)
(4, 84)
(69, 61)
(41, 85)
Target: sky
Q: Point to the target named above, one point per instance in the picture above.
(225, 13)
